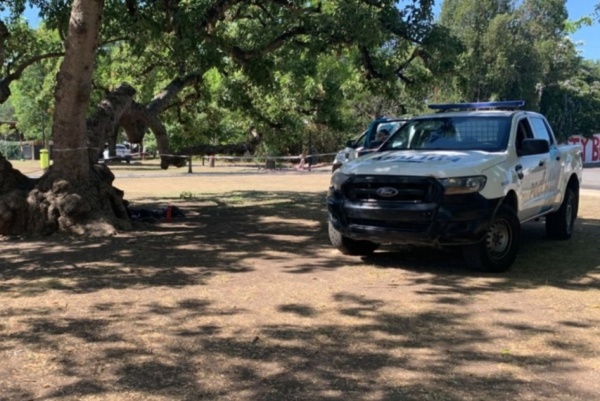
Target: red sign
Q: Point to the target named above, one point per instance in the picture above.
(591, 147)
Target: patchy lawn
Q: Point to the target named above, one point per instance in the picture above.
(244, 299)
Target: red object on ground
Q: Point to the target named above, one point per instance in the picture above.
(169, 214)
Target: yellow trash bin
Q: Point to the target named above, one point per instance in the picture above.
(44, 158)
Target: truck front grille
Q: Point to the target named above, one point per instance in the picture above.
(393, 189)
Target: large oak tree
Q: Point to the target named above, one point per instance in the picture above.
(181, 41)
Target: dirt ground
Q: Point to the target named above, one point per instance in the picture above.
(244, 299)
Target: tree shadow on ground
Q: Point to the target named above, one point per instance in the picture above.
(571, 264)
(150, 315)
(217, 235)
(230, 233)
(378, 354)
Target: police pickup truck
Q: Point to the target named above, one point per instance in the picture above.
(467, 175)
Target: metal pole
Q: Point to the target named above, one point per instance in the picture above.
(43, 131)
(309, 150)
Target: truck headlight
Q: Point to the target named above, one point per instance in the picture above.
(463, 185)
(337, 180)
(341, 157)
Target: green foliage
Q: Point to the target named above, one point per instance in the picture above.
(33, 99)
(7, 111)
(304, 74)
(573, 26)
(511, 51)
(11, 150)
(572, 105)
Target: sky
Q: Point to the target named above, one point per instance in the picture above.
(588, 38)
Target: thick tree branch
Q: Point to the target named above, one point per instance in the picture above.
(6, 81)
(217, 13)
(166, 96)
(4, 35)
(244, 56)
(399, 71)
(367, 62)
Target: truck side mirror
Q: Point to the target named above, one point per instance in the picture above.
(350, 143)
(534, 147)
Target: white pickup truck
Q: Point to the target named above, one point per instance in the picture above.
(467, 175)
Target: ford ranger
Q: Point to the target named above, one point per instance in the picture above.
(467, 175)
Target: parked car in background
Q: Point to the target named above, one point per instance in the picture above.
(122, 153)
(367, 141)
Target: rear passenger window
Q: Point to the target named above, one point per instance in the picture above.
(541, 130)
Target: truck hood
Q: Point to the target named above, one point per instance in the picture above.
(436, 163)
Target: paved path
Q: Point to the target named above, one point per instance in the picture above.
(591, 178)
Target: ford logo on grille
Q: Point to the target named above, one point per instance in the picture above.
(387, 192)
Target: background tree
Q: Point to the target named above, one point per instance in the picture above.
(573, 104)
(510, 51)
(32, 98)
(20, 48)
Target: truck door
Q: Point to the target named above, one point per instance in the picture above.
(531, 171)
(552, 190)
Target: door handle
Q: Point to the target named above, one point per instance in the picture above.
(519, 171)
(541, 163)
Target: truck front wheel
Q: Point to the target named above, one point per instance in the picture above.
(349, 246)
(559, 225)
(498, 250)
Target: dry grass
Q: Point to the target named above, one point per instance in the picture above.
(245, 300)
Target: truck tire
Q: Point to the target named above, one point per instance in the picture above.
(560, 224)
(499, 249)
(349, 246)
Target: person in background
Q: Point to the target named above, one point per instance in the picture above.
(380, 138)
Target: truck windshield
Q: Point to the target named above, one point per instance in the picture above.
(487, 133)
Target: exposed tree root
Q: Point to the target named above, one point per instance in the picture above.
(50, 204)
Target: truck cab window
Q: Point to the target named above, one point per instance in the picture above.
(523, 132)
(540, 130)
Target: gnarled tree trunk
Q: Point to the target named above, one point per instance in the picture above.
(139, 118)
(76, 194)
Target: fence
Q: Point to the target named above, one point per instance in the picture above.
(300, 162)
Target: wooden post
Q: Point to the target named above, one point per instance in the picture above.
(212, 160)
(190, 165)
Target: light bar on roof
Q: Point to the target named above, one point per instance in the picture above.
(511, 104)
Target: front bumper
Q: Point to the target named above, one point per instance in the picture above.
(420, 214)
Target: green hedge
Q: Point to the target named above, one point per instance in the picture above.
(11, 150)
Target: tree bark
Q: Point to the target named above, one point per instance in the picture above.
(74, 85)
(139, 118)
(101, 126)
(76, 194)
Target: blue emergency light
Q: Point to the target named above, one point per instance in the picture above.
(504, 105)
